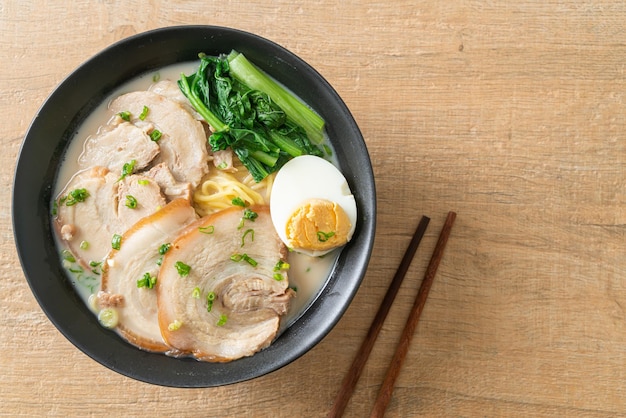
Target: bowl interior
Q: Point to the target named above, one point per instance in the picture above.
(56, 123)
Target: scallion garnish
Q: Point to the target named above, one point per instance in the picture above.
(207, 229)
(244, 257)
(278, 277)
(248, 232)
(147, 280)
(131, 202)
(143, 182)
(75, 196)
(195, 293)
(174, 326)
(155, 135)
(164, 248)
(222, 320)
(116, 241)
(249, 215)
(125, 115)
(144, 113)
(68, 256)
(281, 265)
(237, 201)
(84, 245)
(182, 268)
(210, 297)
(324, 236)
(108, 317)
(128, 169)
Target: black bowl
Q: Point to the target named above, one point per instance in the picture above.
(48, 137)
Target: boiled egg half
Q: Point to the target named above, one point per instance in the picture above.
(312, 207)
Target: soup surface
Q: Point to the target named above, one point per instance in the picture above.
(306, 274)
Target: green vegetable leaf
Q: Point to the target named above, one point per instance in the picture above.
(249, 118)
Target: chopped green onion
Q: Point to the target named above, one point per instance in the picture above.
(147, 280)
(143, 182)
(327, 149)
(125, 115)
(210, 297)
(243, 237)
(68, 256)
(244, 257)
(281, 265)
(116, 241)
(155, 135)
(164, 248)
(250, 214)
(207, 229)
(222, 165)
(159, 261)
(84, 245)
(182, 268)
(222, 320)
(195, 293)
(278, 277)
(324, 236)
(108, 317)
(128, 169)
(144, 113)
(237, 201)
(156, 77)
(75, 196)
(175, 326)
(131, 202)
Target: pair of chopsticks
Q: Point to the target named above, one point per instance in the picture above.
(386, 390)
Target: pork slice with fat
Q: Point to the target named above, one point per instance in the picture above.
(219, 295)
(88, 226)
(183, 144)
(116, 145)
(171, 188)
(139, 255)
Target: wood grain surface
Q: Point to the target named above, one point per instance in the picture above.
(511, 114)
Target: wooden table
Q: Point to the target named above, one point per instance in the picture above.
(512, 114)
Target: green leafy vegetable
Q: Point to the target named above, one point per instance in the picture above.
(258, 119)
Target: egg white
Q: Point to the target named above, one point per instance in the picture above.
(309, 177)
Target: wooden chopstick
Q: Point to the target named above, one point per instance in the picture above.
(386, 390)
(349, 382)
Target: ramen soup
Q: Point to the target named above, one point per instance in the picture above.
(176, 246)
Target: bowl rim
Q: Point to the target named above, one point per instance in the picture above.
(32, 188)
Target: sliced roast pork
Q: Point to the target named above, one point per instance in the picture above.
(116, 145)
(129, 273)
(92, 209)
(221, 291)
(171, 188)
(183, 144)
(170, 89)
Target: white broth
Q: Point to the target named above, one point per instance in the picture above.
(307, 275)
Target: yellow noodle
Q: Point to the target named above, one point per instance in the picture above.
(219, 188)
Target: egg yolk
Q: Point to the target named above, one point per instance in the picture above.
(318, 225)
